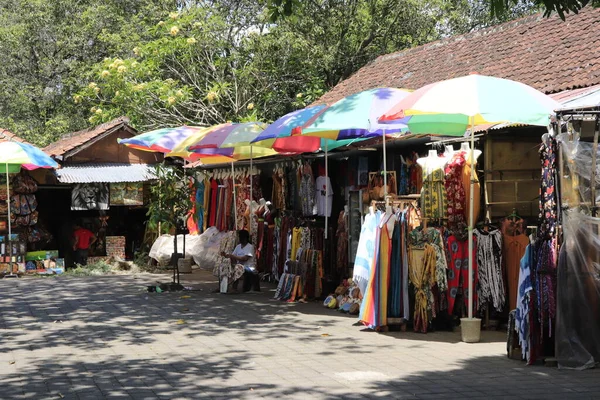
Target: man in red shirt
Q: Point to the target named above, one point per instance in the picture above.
(84, 238)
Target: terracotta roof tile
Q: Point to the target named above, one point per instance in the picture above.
(545, 53)
(6, 135)
(72, 140)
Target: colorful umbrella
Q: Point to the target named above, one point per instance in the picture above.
(356, 116)
(471, 100)
(236, 138)
(285, 134)
(165, 139)
(450, 107)
(13, 156)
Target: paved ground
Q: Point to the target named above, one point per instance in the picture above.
(86, 338)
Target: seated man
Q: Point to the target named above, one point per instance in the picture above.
(243, 256)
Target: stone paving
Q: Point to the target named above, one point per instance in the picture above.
(106, 337)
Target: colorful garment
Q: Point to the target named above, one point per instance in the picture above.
(373, 311)
(433, 193)
(307, 191)
(342, 244)
(365, 251)
(548, 198)
(398, 287)
(403, 182)
(522, 311)
(513, 251)
(214, 186)
(278, 196)
(422, 272)
(458, 273)
(455, 192)
(489, 263)
(466, 181)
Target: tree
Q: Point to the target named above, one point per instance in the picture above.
(48, 45)
(498, 8)
(211, 63)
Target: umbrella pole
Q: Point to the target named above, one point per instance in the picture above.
(385, 192)
(8, 242)
(471, 216)
(251, 194)
(326, 189)
(234, 198)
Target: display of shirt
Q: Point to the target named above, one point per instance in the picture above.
(324, 196)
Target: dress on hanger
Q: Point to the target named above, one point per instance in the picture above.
(365, 251)
(455, 192)
(458, 272)
(466, 182)
(433, 193)
(373, 311)
(513, 249)
(342, 243)
(489, 263)
(214, 187)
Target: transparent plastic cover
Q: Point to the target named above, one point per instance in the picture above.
(578, 297)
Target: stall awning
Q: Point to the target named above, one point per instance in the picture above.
(105, 173)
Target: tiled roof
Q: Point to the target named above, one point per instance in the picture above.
(6, 135)
(105, 173)
(545, 53)
(73, 140)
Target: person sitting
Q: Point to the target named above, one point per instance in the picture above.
(243, 257)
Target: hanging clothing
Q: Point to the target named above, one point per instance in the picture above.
(398, 306)
(522, 312)
(365, 251)
(307, 191)
(214, 186)
(489, 264)
(433, 193)
(548, 194)
(199, 200)
(324, 196)
(466, 182)
(373, 311)
(458, 272)
(415, 174)
(341, 235)
(403, 181)
(422, 271)
(278, 196)
(512, 253)
(455, 192)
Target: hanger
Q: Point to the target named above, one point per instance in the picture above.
(514, 215)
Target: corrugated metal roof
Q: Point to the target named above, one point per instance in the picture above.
(105, 173)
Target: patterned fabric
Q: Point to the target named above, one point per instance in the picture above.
(548, 201)
(489, 263)
(307, 191)
(278, 196)
(342, 243)
(522, 313)
(419, 238)
(415, 174)
(433, 193)
(403, 183)
(458, 273)
(455, 192)
(228, 243)
(422, 272)
(200, 210)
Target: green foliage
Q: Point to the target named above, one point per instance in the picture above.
(94, 269)
(170, 198)
(47, 48)
(561, 7)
